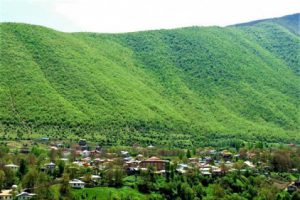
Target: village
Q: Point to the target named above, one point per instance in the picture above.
(88, 165)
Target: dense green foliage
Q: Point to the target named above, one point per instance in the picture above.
(272, 169)
(164, 86)
(104, 193)
(291, 22)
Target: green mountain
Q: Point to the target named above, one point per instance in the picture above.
(187, 86)
(290, 22)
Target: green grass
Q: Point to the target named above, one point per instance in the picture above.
(106, 193)
(177, 87)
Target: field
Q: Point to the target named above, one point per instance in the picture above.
(105, 193)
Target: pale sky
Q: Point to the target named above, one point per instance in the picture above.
(137, 15)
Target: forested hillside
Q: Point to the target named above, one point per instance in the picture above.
(173, 87)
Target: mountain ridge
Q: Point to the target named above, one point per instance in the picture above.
(164, 86)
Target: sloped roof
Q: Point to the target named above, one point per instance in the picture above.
(154, 158)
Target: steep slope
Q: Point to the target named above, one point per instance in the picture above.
(280, 36)
(290, 22)
(177, 87)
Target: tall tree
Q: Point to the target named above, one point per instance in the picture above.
(65, 189)
(2, 179)
(30, 179)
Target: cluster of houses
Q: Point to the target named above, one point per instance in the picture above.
(13, 194)
(210, 163)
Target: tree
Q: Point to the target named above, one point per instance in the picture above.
(61, 168)
(267, 192)
(30, 179)
(52, 155)
(281, 161)
(43, 190)
(218, 191)
(23, 167)
(239, 165)
(65, 189)
(234, 196)
(10, 177)
(283, 196)
(186, 192)
(2, 179)
(296, 196)
(188, 154)
(148, 180)
(114, 177)
(199, 192)
(118, 174)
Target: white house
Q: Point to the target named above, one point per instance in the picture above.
(95, 177)
(25, 195)
(85, 153)
(249, 164)
(12, 167)
(124, 153)
(75, 183)
(205, 171)
(50, 166)
(6, 195)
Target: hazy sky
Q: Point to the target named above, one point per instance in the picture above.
(135, 15)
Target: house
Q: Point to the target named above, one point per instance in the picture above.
(24, 149)
(228, 164)
(226, 154)
(6, 195)
(98, 148)
(250, 155)
(217, 171)
(54, 148)
(82, 142)
(66, 153)
(13, 167)
(249, 164)
(78, 163)
(155, 162)
(98, 161)
(95, 152)
(95, 178)
(124, 153)
(182, 168)
(193, 160)
(132, 170)
(291, 188)
(212, 152)
(59, 145)
(132, 163)
(44, 139)
(25, 195)
(86, 159)
(75, 183)
(85, 153)
(50, 166)
(205, 171)
(139, 157)
(126, 159)
(207, 159)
